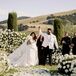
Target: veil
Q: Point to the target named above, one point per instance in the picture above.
(18, 53)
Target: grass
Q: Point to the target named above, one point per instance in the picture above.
(10, 71)
(71, 29)
(52, 68)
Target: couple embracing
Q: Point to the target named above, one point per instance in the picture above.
(35, 49)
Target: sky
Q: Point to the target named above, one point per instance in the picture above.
(34, 8)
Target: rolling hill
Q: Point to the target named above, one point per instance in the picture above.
(19, 18)
(45, 20)
(68, 15)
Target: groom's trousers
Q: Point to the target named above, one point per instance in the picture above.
(40, 55)
(48, 52)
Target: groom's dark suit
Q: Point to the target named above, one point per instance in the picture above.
(40, 51)
(48, 46)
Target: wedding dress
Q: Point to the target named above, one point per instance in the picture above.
(26, 54)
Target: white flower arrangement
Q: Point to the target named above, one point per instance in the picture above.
(56, 57)
(4, 62)
(67, 64)
(10, 40)
(66, 68)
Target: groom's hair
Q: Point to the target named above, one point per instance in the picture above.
(49, 29)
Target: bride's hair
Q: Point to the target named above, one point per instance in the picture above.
(35, 37)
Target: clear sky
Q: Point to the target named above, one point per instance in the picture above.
(34, 7)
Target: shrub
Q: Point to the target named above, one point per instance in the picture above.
(58, 29)
(12, 21)
(22, 27)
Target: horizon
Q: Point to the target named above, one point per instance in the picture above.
(41, 15)
(33, 8)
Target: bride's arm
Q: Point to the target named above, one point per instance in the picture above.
(40, 33)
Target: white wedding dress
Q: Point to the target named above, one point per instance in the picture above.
(25, 55)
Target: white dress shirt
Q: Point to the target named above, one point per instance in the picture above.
(49, 40)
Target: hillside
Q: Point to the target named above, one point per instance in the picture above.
(68, 15)
(69, 18)
(19, 18)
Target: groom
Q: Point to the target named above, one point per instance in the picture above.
(49, 44)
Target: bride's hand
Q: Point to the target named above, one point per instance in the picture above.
(28, 42)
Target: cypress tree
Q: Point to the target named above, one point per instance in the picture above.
(12, 21)
(58, 29)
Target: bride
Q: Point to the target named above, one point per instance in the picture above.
(26, 54)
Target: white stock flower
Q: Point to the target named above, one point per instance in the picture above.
(56, 61)
(70, 69)
(68, 66)
(59, 66)
(66, 56)
(64, 63)
(64, 67)
(60, 60)
(66, 71)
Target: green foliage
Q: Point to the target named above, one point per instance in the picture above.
(49, 17)
(33, 21)
(12, 21)
(71, 18)
(58, 29)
